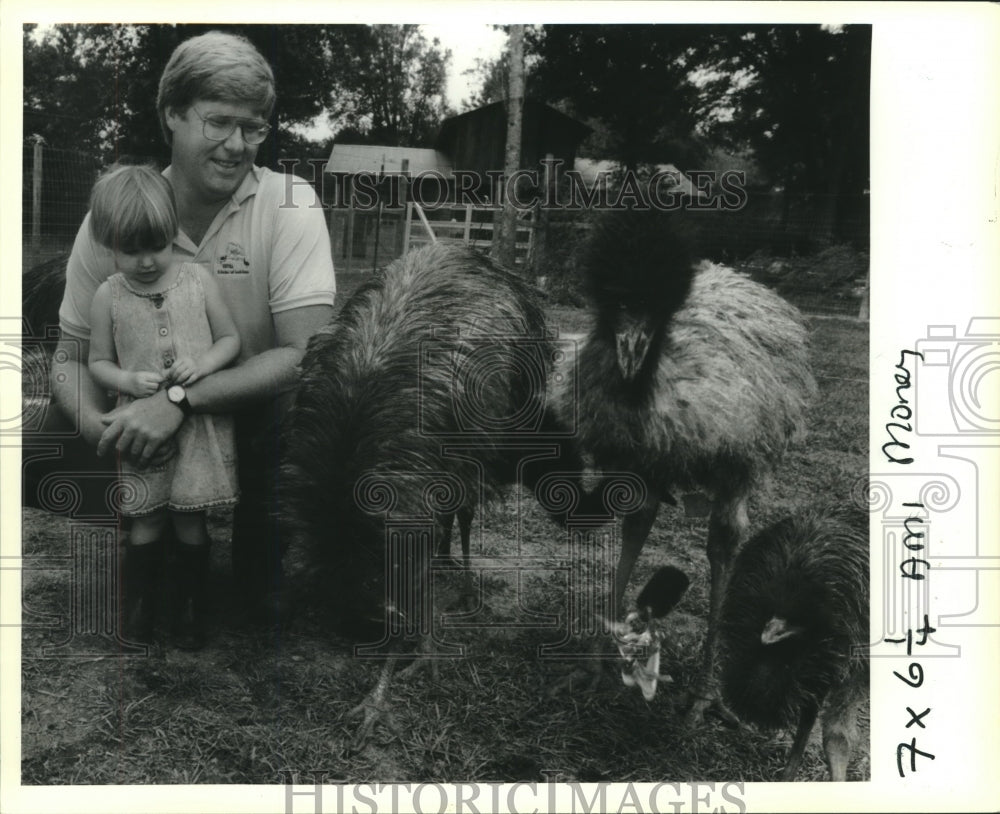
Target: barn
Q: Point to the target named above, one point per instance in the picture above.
(384, 199)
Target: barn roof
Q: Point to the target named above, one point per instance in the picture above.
(552, 118)
(354, 158)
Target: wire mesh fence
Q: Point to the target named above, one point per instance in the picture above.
(55, 190)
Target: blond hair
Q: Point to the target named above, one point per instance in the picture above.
(132, 208)
(219, 67)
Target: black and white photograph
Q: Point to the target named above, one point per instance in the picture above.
(521, 409)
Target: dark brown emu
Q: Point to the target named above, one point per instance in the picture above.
(794, 632)
(425, 394)
(693, 377)
(41, 295)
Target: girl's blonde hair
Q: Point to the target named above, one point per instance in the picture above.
(215, 66)
(132, 208)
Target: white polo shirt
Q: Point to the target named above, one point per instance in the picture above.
(268, 248)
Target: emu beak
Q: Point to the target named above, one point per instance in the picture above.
(778, 630)
(632, 345)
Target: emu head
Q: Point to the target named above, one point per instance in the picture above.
(639, 267)
(778, 629)
(638, 638)
(799, 612)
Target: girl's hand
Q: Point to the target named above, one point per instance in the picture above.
(185, 371)
(142, 383)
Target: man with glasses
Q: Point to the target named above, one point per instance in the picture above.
(264, 237)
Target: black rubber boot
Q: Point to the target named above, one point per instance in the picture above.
(140, 571)
(191, 581)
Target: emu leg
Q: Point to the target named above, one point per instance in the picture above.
(469, 600)
(465, 515)
(807, 719)
(374, 709)
(837, 747)
(444, 525)
(635, 530)
(727, 530)
(840, 729)
(442, 548)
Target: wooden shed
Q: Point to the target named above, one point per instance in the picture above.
(475, 141)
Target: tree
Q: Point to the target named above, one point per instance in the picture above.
(797, 96)
(631, 79)
(93, 87)
(389, 83)
(505, 239)
(492, 75)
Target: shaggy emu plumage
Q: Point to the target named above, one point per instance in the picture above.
(42, 289)
(692, 377)
(794, 625)
(423, 395)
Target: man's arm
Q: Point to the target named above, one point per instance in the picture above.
(267, 374)
(75, 391)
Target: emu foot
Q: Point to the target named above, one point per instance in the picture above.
(425, 659)
(373, 711)
(703, 705)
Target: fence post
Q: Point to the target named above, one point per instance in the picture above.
(865, 308)
(539, 236)
(349, 233)
(406, 226)
(403, 235)
(36, 196)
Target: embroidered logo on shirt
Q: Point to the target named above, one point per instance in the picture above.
(234, 261)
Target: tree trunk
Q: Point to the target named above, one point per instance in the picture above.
(505, 232)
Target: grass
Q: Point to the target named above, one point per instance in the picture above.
(255, 702)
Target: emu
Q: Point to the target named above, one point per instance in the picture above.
(692, 377)
(794, 629)
(416, 401)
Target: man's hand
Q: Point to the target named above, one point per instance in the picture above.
(138, 430)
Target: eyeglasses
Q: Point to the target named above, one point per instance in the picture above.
(219, 128)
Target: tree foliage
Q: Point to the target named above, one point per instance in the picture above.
(795, 97)
(390, 83)
(631, 79)
(93, 86)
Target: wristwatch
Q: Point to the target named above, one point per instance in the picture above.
(177, 395)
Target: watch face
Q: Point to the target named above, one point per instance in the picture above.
(176, 393)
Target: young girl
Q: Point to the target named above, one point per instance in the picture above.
(158, 324)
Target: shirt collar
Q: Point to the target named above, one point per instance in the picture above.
(248, 186)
